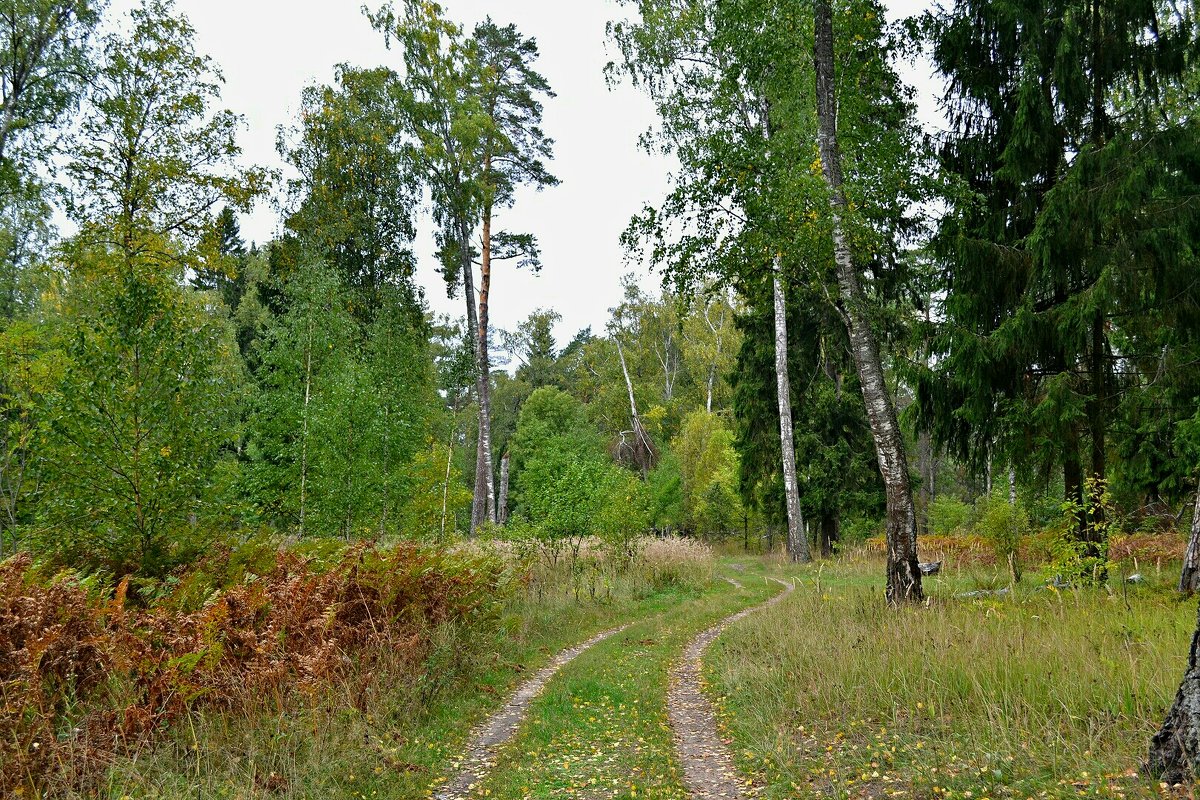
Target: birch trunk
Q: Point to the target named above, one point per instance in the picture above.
(712, 368)
(483, 504)
(1189, 578)
(502, 502)
(797, 541)
(1175, 749)
(903, 573)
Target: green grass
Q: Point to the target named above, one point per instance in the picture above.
(1040, 693)
(600, 728)
(394, 739)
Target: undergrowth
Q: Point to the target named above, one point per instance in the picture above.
(87, 677)
(312, 671)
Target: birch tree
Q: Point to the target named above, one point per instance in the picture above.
(797, 539)
(43, 66)
(734, 85)
(1189, 578)
(710, 342)
(154, 155)
(716, 116)
(903, 571)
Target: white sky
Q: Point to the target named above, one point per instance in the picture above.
(269, 50)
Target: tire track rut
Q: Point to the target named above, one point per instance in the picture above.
(708, 770)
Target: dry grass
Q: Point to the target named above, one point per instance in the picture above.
(600, 570)
(1137, 550)
(676, 561)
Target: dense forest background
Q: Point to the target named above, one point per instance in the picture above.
(1030, 280)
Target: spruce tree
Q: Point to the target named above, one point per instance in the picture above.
(1066, 251)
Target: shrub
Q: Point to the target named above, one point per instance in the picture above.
(1084, 561)
(948, 515)
(1003, 525)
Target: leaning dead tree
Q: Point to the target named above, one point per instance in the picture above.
(634, 447)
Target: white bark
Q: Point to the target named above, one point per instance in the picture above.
(633, 412)
(797, 541)
(638, 430)
(502, 502)
(1175, 749)
(904, 576)
(719, 341)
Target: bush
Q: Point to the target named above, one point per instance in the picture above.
(1084, 561)
(948, 515)
(1003, 525)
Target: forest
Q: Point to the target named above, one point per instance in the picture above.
(889, 488)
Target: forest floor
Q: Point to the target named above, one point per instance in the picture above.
(823, 693)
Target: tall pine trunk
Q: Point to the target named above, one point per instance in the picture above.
(903, 572)
(483, 386)
(797, 541)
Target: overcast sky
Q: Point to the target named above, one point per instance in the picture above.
(270, 49)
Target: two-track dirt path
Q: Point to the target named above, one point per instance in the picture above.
(497, 729)
(706, 763)
(708, 770)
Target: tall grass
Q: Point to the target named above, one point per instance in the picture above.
(1035, 691)
(595, 569)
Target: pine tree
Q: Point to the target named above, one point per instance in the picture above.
(224, 255)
